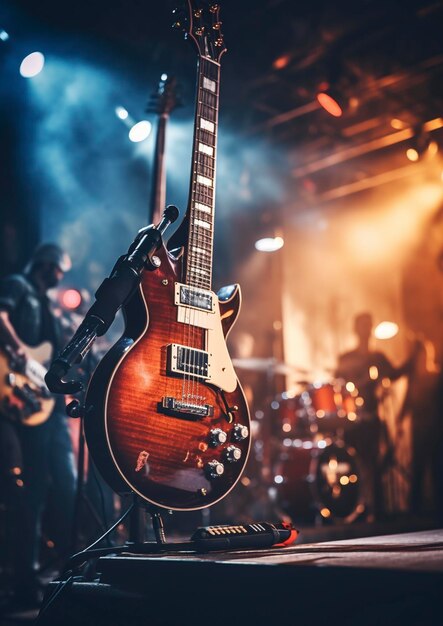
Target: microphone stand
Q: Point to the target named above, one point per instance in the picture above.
(114, 292)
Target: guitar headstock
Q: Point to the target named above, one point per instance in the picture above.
(200, 21)
(166, 98)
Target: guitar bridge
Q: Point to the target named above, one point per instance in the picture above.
(180, 408)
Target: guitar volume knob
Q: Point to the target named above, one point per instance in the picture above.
(232, 454)
(214, 469)
(240, 432)
(217, 437)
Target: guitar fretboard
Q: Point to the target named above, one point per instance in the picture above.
(198, 269)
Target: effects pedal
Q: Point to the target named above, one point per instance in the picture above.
(257, 535)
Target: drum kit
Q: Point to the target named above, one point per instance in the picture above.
(315, 475)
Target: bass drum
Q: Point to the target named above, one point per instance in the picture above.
(316, 479)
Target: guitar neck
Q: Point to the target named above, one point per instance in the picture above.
(199, 252)
(158, 191)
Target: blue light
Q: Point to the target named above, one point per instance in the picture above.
(140, 131)
(121, 113)
(32, 65)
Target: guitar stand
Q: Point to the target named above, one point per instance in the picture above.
(255, 536)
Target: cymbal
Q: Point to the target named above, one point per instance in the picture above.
(266, 364)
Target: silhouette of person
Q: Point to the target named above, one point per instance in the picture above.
(366, 368)
(34, 457)
(421, 403)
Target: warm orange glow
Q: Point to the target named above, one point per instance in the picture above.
(353, 478)
(350, 386)
(344, 480)
(412, 154)
(329, 104)
(352, 416)
(373, 372)
(325, 512)
(397, 124)
(386, 330)
(281, 62)
(432, 148)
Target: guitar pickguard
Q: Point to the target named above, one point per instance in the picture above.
(207, 316)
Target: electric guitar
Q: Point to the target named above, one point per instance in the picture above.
(165, 416)
(24, 396)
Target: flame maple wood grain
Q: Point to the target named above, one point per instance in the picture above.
(139, 448)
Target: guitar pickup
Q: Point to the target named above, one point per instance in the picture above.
(195, 298)
(180, 408)
(185, 360)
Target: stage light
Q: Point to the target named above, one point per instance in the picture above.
(386, 330)
(397, 124)
(330, 103)
(164, 77)
(140, 131)
(3, 35)
(412, 154)
(421, 145)
(373, 372)
(32, 65)
(281, 62)
(269, 244)
(71, 299)
(121, 113)
(432, 148)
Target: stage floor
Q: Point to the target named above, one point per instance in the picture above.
(378, 580)
(385, 580)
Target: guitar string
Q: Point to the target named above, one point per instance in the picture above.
(202, 277)
(197, 230)
(197, 263)
(207, 267)
(190, 313)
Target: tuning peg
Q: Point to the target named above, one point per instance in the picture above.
(198, 12)
(219, 42)
(214, 8)
(217, 25)
(199, 31)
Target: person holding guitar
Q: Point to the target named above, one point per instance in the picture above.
(35, 445)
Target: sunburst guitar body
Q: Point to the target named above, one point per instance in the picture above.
(166, 417)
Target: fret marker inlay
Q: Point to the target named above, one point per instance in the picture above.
(208, 84)
(207, 125)
(203, 180)
(202, 207)
(202, 223)
(203, 147)
(200, 250)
